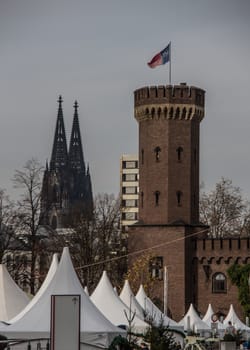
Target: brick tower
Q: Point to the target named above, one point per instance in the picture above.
(169, 128)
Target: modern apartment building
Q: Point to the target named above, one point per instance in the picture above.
(129, 192)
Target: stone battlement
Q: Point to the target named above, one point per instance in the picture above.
(169, 102)
(170, 94)
(227, 250)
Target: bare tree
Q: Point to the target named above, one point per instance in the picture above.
(96, 243)
(225, 210)
(7, 223)
(28, 211)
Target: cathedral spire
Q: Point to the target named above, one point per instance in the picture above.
(59, 157)
(76, 159)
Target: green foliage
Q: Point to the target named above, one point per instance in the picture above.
(160, 338)
(239, 275)
(120, 343)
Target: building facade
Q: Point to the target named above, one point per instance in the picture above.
(67, 190)
(129, 182)
(168, 219)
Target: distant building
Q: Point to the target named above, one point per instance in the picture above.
(67, 190)
(129, 191)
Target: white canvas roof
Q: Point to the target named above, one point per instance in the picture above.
(127, 296)
(152, 310)
(236, 322)
(95, 328)
(109, 303)
(208, 318)
(42, 289)
(86, 290)
(12, 298)
(192, 320)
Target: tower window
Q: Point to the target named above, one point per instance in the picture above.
(157, 197)
(195, 156)
(129, 177)
(179, 153)
(157, 151)
(129, 164)
(129, 190)
(179, 196)
(156, 267)
(219, 283)
(142, 156)
(142, 195)
(129, 216)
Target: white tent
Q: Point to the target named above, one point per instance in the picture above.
(96, 330)
(208, 318)
(127, 296)
(192, 322)
(109, 303)
(152, 311)
(42, 289)
(236, 322)
(12, 298)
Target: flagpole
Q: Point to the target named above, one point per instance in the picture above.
(170, 59)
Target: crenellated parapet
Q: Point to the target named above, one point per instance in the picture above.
(222, 251)
(179, 102)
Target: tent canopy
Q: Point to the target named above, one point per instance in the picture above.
(95, 328)
(236, 322)
(152, 311)
(109, 303)
(127, 296)
(12, 298)
(192, 321)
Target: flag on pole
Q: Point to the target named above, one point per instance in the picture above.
(161, 58)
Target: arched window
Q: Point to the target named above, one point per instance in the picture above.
(219, 283)
(142, 195)
(157, 151)
(142, 156)
(179, 195)
(179, 153)
(157, 197)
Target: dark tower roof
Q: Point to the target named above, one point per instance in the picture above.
(59, 157)
(76, 159)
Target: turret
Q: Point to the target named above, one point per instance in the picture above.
(169, 118)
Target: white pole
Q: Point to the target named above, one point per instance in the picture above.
(165, 291)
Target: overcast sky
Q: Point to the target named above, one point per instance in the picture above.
(96, 52)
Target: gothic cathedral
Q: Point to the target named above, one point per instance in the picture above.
(66, 190)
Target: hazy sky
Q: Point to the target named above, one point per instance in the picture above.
(96, 52)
